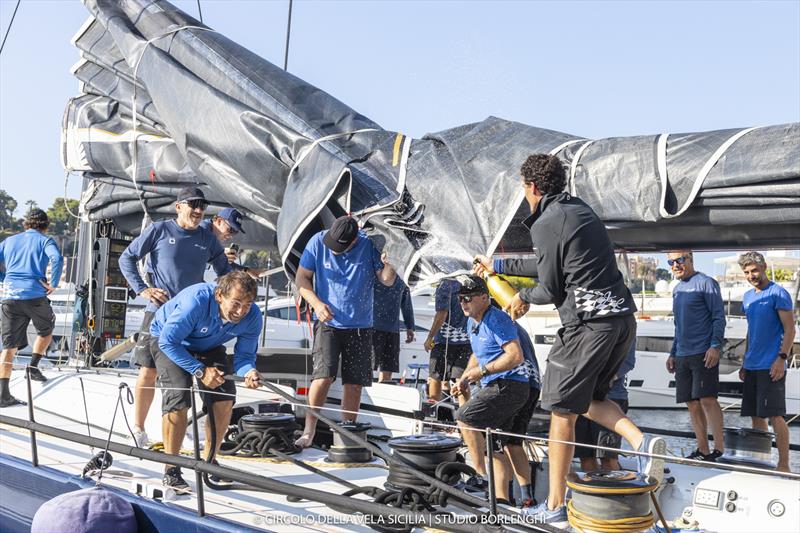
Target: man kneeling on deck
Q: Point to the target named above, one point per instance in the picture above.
(504, 363)
(188, 333)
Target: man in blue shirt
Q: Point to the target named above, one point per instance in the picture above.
(225, 226)
(26, 256)
(177, 252)
(770, 334)
(186, 339)
(694, 359)
(387, 304)
(509, 380)
(448, 341)
(337, 273)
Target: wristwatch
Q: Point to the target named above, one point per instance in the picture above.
(200, 372)
(783, 355)
(484, 371)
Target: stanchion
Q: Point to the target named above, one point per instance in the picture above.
(201, 504)
(490, 471)
(34, 450)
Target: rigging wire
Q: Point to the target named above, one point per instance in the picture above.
(14, 14)
(200, 11)
(288, 33)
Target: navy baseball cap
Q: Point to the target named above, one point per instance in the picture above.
(472, 284)
(233, 217)
(342, 234)
(188, 194)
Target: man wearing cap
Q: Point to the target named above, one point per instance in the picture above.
(504, 364)
(338, 270)
(26, 257)
(388, 303)
(177, 251)
(226, 225)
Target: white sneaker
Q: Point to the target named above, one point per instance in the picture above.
(140, 438)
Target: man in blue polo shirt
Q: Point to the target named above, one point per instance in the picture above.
(225, 226)
(186, 339)
(177, 252)
(388, 303)
(694, 359)
(510, 384)
(26, 256)
(770, 334)
(336, 276)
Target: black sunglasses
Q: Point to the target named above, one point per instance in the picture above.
(467, 298)
(679, 260)
(196, 204)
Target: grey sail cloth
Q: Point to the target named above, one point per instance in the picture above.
(293, 158)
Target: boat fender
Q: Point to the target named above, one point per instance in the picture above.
(92, 510)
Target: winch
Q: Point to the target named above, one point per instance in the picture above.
(749, 447)
(256, 434)
(346, 450)
(425, 452)
(610, 501)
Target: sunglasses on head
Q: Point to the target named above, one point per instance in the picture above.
(196, 204)
(679, 260)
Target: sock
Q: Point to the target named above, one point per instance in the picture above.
(526, 492)
(35, 358)
(4, 394)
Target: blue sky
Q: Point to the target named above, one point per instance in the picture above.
(596, 69)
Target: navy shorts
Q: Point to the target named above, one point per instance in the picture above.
(142, 355)
(17, 314)
(693, 380)
(386, 350)
(448, 360)
(502, 404)
(353, 347)
(761, 396)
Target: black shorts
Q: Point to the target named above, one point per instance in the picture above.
(497, 406)
(589, 432)
(583, 361)
(17, 314)
(522, 419)
(352, 346)
(761, 396)
(386, 350)
(175, 380)
(456, 357)
(693, 380)
(142, 355)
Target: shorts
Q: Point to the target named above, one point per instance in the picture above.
(522, 419)
(386, 350)
(171, 375)
(498, 405)
(761, 396)
(352, 346)
(17, 314)
(456, 356)
(589, 432)
(142, 355)
(583, 361)
(693, 380)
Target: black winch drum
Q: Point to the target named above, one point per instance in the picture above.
(265, 421)
(751, 447)
(611, 494)
(346, 450)
(424, 452)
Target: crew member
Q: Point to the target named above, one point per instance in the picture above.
(770, 334)
(26, 257)
(186, 339)
(448, 341)
(337, 272)
(694, 357)
(388, 303)
(225, 226)
(177, 252)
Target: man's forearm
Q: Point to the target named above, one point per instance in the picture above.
(509, 359)
(309, 295)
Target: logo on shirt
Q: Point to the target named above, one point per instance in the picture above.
(172, 240)
(203, 330)
(327, 264)
(200, 246)
(598, 303)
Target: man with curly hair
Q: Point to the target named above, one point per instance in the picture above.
(577, 272)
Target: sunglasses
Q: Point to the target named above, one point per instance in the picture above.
(679, 260)
(467, 298)
(196, 204)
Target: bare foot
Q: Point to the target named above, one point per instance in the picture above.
(304, 441)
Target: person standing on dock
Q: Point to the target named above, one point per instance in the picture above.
(448, 340)
(177, 252)
(187, 338)
(336, 276)
(388, 303)
(770, 335)
(578, 273)
(26, 257)
(694, 358)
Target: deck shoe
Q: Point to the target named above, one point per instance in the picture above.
(216, 479)
(649, 465)
(530, 502)
(713, 456)
(697, 455)
(140, 438)
(540, 514)
(36, 374)
(174, 479)
(476, 483)
(11, 402)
